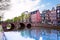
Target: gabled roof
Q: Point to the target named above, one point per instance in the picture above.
(34, 12)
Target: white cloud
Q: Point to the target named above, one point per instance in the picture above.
(48, 3)
(42, 6)
(19, 6)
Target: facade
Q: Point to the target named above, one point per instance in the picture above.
(43, 16)
(58, 14)
(53, 16)
(35, 16)
(47, 17)
(26, 16)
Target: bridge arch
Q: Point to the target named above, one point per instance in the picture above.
(29, 26)
(22, 26)
(10, 26)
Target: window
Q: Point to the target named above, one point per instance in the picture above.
(46, 17)
(57, 11)
(42, 17)
(57, 15)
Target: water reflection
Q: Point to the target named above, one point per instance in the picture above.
(31, 33)
(37, 34)
(44, 34)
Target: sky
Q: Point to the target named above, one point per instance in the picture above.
(19, 6)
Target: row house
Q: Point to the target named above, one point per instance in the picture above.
(53, 16)
(32, 17)
(47, 17)
(43, 16)
(35, 16)
(26, 16)
(58, 14)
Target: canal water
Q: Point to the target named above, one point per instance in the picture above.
(33, 34)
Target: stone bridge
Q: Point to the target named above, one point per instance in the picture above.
(22, 26)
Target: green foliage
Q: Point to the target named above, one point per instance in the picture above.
(0, 17)
(9, 20)
(25, 16)
(22, 16)
(19, 18)
(15, 19)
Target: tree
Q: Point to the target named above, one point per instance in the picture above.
(25, 16)
(9, 20)
(28, 15)
(0, 18)
(22, 16)
(19, 18)
(15, 19)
